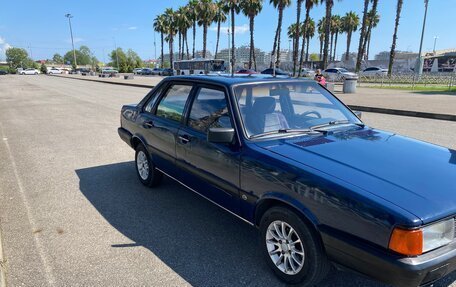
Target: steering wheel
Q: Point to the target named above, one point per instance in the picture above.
(311, 113)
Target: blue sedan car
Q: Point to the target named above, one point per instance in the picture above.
(289, 158)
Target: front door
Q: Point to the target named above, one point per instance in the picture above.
(211, 169)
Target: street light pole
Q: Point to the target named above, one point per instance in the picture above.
(435, 41)
(117, 56)
(420, 60)
(69, 16)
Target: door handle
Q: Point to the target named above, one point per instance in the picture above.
(184, 139)
(148, 125)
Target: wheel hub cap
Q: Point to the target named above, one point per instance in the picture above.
(143, 165)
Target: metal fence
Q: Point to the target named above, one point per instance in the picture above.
(411, 80)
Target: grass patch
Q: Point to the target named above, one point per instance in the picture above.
(418, 88)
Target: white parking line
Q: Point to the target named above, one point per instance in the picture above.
(39, 246)
(2, 262)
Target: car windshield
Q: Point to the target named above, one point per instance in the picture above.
(294, 106)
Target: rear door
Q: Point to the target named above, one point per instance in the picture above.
(211, 169)
(160, 122)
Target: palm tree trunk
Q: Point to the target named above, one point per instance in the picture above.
(369, 29)
(368, 45)
(303, 41)
(335, 47)
(349, 36)
(194, 36)
(162, 55)
(278, 38)
(302, 56)
(218, 39)
(171, 51)
(252, 45)
(186, 44)
(331, 47)
(362, 37)
(233, 48)
(329, 4)
(393, 46)
(180, 46)
(204, 39)
(321, 48)
(274, 47)
(296, 37)
(307, 50)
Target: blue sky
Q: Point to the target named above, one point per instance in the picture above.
(42, 26)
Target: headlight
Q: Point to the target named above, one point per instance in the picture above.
(438, 234)
(417, 241)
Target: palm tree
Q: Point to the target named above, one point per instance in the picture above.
(206, 10)
(350, 23)
(279, 5)
(372, 20)
(309, 4)
(234, 8)
(296, 36)
(321, 31)
(336, 23)
(329, 5)
(170, 29)
(220, 17)
(310, 33)
(159, 27)
(362, 36)
(193, 16)
(251, 8)
(183, 24)
(393, 46)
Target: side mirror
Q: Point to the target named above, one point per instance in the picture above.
(358, 114)
(220, 135)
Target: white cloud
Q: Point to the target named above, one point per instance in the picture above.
(2, 41)
(3, 47)
(237, 29)
(132, 28)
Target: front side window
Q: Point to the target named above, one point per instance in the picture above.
(288, 106)
(209, 110)
(173, 102)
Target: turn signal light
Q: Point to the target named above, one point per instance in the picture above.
(407, 242)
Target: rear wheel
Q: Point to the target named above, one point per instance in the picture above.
(291, 249)
(145, 168)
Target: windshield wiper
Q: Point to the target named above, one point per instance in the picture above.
(334, 123)
(282, 131)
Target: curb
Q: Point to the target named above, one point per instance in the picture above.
(425, 115)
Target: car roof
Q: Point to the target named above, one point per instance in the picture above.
(229, 80)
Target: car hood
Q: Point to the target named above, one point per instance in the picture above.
(416, 176)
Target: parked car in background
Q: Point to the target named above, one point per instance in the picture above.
(157, 71)
(146, 71)
(108, 73)
(288, 157)
(247, 71)
(374, 72)
(308, 73)
(54, 71)
(167, 72)
(3, 72)
(278, 72)
(30, 71)
(338, 74)
(137, 71)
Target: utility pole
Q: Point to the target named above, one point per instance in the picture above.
(419, 65)
(30, 50)
(69, 16)
(117, 56)
(435, 42)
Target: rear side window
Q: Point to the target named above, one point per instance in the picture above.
(172, 104)
(150, 104)
(209, 110)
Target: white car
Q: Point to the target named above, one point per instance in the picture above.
(137, 71)
(54, 71)
(338, 74)
(374, 72)
(30, 71)
(307, 73)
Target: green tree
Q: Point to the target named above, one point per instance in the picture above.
(393, 46)
(43, 69)
(251, 8)
(220, 17)
(310, 33)
(57, 58)
(17, 57)
(83, 56)
(362, 36)
(206, 11)
(329, 6)
(193, 16)
(234, 8)
(336, 27)
(122, 64)
(159, 26)
(309, 4)
(373, 20)
(297, 35)
(280, 5)
(170, 29)
(314, 57)
(350, 23)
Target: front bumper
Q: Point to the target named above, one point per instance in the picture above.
(391, 268)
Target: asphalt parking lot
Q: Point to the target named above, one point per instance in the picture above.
(74, 214)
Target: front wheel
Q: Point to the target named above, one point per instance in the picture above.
(145, 168)
(291, 249)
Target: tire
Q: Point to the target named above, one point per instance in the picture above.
(311, 264)
(152, 177)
